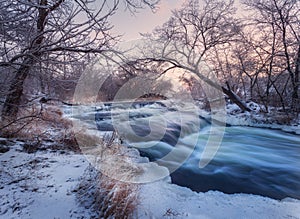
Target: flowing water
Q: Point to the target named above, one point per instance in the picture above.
(249, 160)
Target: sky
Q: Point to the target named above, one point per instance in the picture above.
(131, 25)
(144, 21)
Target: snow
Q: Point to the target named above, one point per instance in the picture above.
(165, 200)
(40, 185)
(272, 120)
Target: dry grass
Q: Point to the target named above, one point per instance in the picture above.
(36, 124)
(116, 199)
(106, 197)
(116, 194)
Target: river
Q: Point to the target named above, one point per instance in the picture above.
(249, 160)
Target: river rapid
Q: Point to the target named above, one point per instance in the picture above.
(249, 160)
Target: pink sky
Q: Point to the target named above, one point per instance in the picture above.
(145, 21)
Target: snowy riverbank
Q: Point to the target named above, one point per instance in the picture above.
(164, 200)
(256, 118)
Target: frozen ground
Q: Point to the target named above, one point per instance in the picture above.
(274, 120)
(40, 185)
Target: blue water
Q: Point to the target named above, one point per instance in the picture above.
(250, 160)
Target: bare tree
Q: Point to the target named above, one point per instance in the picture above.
(191, 33)
(53, 35)
(276, 46)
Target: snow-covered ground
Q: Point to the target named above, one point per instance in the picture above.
(40, 185)
(273, 120)
(164, 200)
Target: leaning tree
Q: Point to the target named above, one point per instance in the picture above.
(191, 33)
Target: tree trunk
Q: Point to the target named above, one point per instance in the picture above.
(13, 99)
(295, 95)
(235, 99)
(227, 91)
